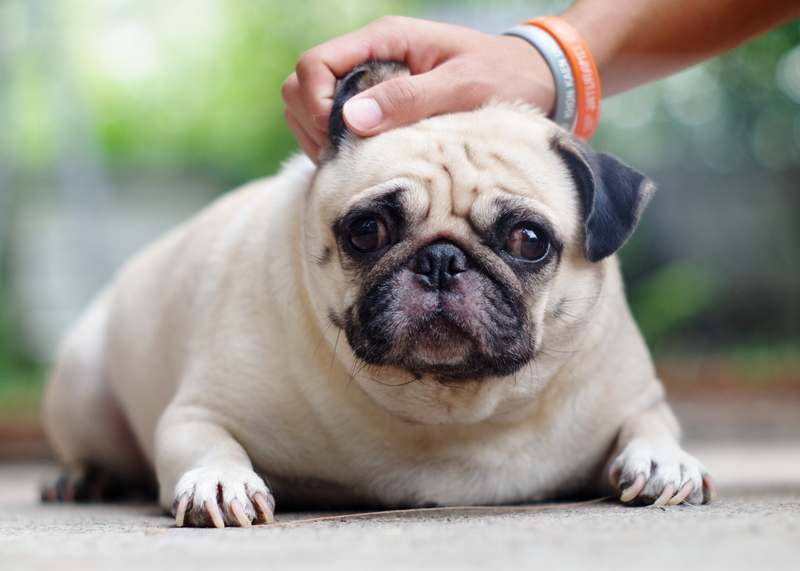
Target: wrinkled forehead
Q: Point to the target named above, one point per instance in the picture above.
(459, 165)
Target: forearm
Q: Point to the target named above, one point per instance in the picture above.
(637, 41)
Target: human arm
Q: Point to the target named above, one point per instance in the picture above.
(454, 68)
(634, 42)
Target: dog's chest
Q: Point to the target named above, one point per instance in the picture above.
(441, 467)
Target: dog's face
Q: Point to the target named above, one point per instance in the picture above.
(453, 253)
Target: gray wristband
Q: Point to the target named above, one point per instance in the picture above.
(564, 112)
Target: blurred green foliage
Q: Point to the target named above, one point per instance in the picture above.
(670, 297)
(187, 87)
(213, 103)
(727, 114)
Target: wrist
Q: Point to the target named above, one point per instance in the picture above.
(564, 109)
(535, 84)
(570, 62)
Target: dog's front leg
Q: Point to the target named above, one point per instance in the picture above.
(651, 467)
(204, 474)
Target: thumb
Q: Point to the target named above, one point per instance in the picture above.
(398, 102)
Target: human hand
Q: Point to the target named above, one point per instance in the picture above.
(453, 69)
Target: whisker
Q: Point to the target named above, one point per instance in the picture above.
(546, 354)
(333, 357)
(321, 334)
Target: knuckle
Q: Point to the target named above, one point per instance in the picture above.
(471, 88)
(290, 88)
(306, 62)
(389, 21)
(404, 96)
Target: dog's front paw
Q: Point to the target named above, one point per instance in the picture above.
(660, 475)
(220, 496)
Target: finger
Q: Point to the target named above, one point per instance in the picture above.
(666, 495)
(314, 126)
(238, 513)
(316, 74)
(421, 44)
(309, 145)
(265, 506)
(389, 38)
(180, 511)
(687, 489)
(213, 512)
(406, 100)
(633, 491)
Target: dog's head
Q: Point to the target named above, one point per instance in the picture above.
(452, 253)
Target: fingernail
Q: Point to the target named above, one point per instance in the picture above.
(363, 114)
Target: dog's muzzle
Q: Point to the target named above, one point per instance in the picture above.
(439, 313)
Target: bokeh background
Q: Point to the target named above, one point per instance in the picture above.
(119, 118)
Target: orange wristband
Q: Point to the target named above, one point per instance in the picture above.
(587, 80)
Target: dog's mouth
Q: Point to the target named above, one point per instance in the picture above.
(457, 325)
(438, 341)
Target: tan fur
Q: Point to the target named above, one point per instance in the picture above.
(217, 345)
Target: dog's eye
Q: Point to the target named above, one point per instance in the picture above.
(527, 241)
(367, 234)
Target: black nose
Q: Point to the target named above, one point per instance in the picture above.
(438, 264)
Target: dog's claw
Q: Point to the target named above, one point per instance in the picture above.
(633, 491)
(238, 512)
(213, 512)
(666, 495)
(687, 489)
(180, 511)
(265, 506)
(709, 489)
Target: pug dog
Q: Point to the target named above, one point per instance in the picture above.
(433, 317)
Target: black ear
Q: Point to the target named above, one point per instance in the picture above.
(360, 78)
(613, 195)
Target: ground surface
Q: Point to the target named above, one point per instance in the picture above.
(755, 524)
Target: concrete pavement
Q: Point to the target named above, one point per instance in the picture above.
(755, 524)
